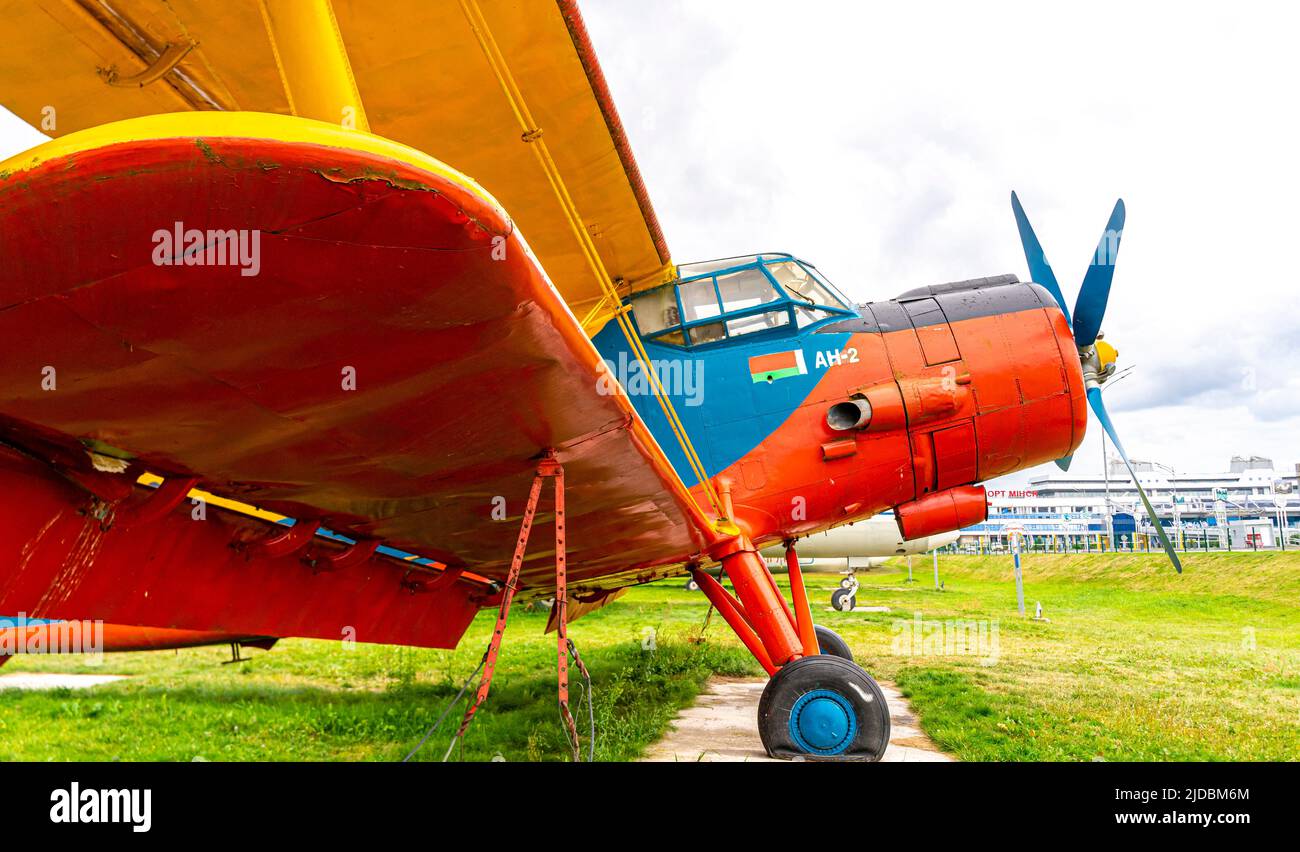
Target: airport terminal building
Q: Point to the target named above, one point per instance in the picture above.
(1242, 508)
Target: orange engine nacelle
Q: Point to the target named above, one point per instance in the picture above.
(928, 394)
(943, 511)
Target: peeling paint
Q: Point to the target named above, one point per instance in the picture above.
(79, 561)
(211, 155)
(337, 175)
(29, 548)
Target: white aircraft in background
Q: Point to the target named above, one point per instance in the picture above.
(850, 548)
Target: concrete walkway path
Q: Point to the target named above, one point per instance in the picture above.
(54, 680)
(721, 727)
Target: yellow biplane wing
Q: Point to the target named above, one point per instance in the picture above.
(432, 74)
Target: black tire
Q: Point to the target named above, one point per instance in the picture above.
(831, 643)
(846, 583)
(843, 600)
(823, 708)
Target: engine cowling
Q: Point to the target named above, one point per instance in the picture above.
(943, 511)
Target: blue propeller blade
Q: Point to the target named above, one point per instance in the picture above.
(1039, 269)
(1064, 462)
(1099, 408)
(1090, 307)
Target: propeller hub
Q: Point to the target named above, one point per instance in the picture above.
(1099, 361)
(1108, 355)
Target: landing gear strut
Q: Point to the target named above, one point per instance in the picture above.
(845, 598)
(819, 704)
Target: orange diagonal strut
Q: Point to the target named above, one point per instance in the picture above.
(802, 612)
(562, 602)
(548, 467)
(722, 602)
(503, 611)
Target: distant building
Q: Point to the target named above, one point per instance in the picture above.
(1068, 510)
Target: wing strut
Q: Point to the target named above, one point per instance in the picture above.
(313, 62)
(548, 468)
(503, 610)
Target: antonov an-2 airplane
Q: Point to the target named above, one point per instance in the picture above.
(384, 271)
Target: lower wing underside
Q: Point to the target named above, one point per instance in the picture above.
(356, 336)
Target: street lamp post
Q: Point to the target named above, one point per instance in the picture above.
(1105, 472)
(1174, 499)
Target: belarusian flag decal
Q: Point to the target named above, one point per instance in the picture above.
(778, 365)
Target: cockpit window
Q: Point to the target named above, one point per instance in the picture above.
(747, 288)
(699, 300)
(806, 316)
(656, 310)
(801, 285)
(726, 299)
(707, 333)
(690, 270)
(840, 298)
(758, 322)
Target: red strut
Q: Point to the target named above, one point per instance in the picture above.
(503, 611)
(802, 612)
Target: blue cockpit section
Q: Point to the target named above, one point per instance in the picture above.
(732, 343)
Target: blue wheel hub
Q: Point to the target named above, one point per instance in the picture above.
(823, 722)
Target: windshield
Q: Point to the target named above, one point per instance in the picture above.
(800, 283)
(839, 295)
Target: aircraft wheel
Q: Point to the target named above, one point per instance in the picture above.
(843, 600)
(846, 583)
(823, 708)
(831, 643)
(691, 585)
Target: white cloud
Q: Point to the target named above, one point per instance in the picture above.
(881, 142)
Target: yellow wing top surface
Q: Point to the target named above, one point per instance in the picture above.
(423, 79)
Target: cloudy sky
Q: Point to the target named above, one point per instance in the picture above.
(881, 142)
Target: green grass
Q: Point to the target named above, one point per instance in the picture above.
(314, 700)
(1136, 663)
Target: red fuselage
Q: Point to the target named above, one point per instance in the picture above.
(963, 387)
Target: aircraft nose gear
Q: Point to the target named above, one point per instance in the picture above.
(823, 708)
(845, 598)
(819, 704)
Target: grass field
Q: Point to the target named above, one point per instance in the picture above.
(1134, 663)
